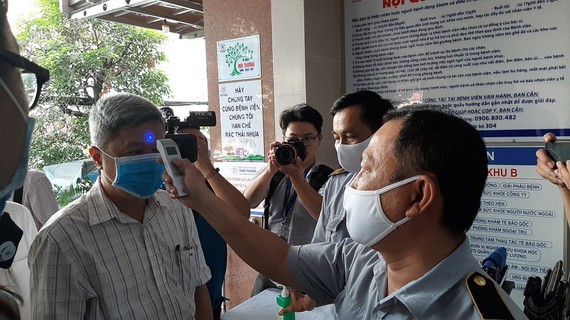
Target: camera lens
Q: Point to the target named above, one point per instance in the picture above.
(285, 154)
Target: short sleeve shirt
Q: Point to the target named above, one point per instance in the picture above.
(288, 218)
(91, 261)
(331, 226)
(354, 277)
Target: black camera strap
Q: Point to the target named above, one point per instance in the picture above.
(316, 179)
(18, 195)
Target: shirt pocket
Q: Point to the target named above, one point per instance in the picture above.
(333, 223)
(188, 266)
(335, 230)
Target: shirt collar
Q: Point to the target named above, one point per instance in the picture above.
(312, 169)
(432, 285)
(102, 209)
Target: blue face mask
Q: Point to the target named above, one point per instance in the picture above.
(10, 233)
(22, 169)
(140, 175)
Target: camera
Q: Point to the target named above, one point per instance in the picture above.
(288, 151)
(186, 141)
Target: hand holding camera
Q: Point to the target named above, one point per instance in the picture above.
(288, 151)
(186, 141)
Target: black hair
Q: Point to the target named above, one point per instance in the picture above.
(301, 112)
(374, 107)
(432, 139)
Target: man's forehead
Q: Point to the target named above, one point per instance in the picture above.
(146, 132)
(389, 131)
(300, 128)
(383, 140)
(349, 114)
(7, 40)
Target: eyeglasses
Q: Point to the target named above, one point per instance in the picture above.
(33, 76)
(307, 141)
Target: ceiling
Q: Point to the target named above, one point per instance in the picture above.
(183, 17)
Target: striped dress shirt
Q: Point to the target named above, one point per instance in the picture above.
(91, 261)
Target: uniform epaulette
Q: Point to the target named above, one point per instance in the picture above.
(337, 172)
(486, 299)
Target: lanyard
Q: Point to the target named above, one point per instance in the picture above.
(288, 203)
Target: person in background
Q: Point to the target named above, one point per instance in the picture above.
(15, 137)
(289, 205)
(407, 215)
(214, 247)
(38, 196)
(356, 116)
(555, 172)
(124, 250)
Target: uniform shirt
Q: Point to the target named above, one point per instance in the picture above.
(331, 226)
(295, 225)
(91, 261)
(354, 277)
(17, 277)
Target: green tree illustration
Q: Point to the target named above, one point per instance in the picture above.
(236, 53)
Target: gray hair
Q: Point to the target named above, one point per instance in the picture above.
(113, 112)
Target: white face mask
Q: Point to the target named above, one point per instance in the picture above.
(350, 155)
(366, 222)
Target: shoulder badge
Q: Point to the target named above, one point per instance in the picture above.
(338, 171)
(486, 299)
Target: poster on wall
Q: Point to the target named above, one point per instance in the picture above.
(522, 212)
(241, 117)
(239, 59)
(240, 174)
(502, 66)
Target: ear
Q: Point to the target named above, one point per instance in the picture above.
(424, 195)
(96, 155)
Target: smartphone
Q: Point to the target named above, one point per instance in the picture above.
(559, 150)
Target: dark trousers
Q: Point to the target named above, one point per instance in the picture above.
(217, 312)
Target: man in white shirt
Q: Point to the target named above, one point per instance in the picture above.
(124, 250)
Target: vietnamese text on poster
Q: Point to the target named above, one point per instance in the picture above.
(239, 59)
(500, 65)
(522, 212)
(241, 117)
(240, 175)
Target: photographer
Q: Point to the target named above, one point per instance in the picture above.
(213, 245)
(290, 189)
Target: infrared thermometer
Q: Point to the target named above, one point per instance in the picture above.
(169, 151)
